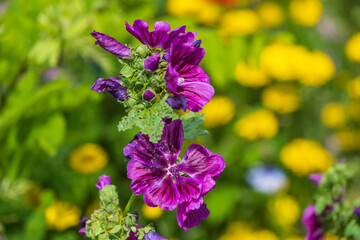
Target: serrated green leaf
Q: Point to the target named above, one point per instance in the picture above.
(191, 124)
(127, 71)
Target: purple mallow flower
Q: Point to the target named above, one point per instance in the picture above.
(148, 95)
(152, 62)
(185, 78)
(316, 178)
(161, 36)
(103, 181)
(166, 181)
(111, 45)
(312, 223)
(111, 85)
(83, 225)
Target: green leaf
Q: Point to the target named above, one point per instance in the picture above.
(35, 227)
(191, 124)
(127, 71)
(321, 204)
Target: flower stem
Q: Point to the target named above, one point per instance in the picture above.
(129, 204)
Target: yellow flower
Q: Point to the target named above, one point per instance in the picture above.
(283, 61)
(219, 111)
(349, 139)
(354, 110)
(285, 210)
(319, 69)
(329, 236)
(304, 156)
(352, 48)
(334, 115)
(239, 230)
(256, 125)
(205, 12)
(151, 212)
(306, 12)
(62, 215)
(88, 158)
(271, 14)
(241, 22)
(353, 87)
(281, 98)
(250, 76)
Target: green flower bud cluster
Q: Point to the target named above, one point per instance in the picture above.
(108, 221)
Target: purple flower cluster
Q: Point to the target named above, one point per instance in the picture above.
(185, 80)
(168, 181)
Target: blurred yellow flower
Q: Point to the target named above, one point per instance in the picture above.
(88, 158)
(62, 215)
(205, 12)
(250, 76)
(239, 230)
(349, 139)
(151, 212)
(285, 210)
(282, 61)
(295, 238)
(352, 48)
(306, 12)
(353, 87)
(354, 110)
(258, 124)
(329, 236)
(271, 14)
(241, 22)
(333, 115)
(319, 69)
(281, 98)
(304, 156)
(219, 111)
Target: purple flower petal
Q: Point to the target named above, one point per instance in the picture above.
(153, 236)
(141, 149)
(83, 231)
(111, 45)
(316, 178)
(152, 62)
(161, 36)
(171, 141)
(148, 95)
(197, 43)
(357, 212)
(188, 188)
(104, 180)
(312, 224)
(189, 214)
(83, 224)
(198, 94)
(163, 194)
(178, 102)
(143, 176)
(112, 86)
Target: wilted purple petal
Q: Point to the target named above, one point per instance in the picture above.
(111, 45)
(197, 43)
(148, 95)
(163, 194)
(357, 212)
(103, 181)
(153, 236)
(189, 214)
(112, 86)
(143, 176)
(83, 225)
(152, 62)
(316, 178)
(178, 102)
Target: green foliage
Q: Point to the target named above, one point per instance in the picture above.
(191, 123)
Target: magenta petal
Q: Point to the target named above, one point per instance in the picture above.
(143, 176)
(140, 30)
(194, 73)
(152, 62)
(207, 185)
(198, 94)
(189, 214)
(104, 180)
(163, 194)
(111, 45)
(176, 33)
(312, 224)
(188, 188)
(141, 149)
(171, 140)
(199, 161)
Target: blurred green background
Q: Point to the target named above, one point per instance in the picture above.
(287, 103)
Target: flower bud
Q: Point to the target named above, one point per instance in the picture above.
(152, 62)
(148, 95)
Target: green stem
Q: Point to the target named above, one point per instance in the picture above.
(129, 205)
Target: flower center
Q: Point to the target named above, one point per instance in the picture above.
(180, 80)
